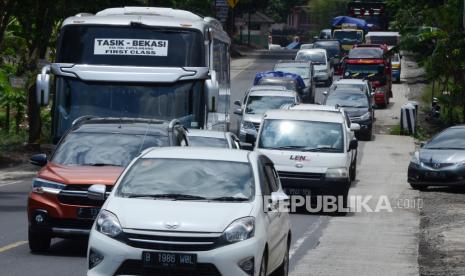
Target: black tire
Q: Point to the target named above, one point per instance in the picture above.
(39, 242)
(263, 264)
(419, 187)
(353, 172)
(283, 269)
(368, 135)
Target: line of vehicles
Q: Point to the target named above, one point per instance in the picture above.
(144, 164)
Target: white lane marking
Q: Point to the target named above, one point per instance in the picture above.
(10, 183)
(11, 246)
(304, 237)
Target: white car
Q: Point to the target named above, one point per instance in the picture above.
(257, 101)
(192, 211)
(212, 138)
(313, 149)
(324, 72)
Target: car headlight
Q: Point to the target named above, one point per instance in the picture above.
(108, 224)
(337, 173)
(245, 125)
(416, 158)
(365, 116)
(240, 230)
(41, 186)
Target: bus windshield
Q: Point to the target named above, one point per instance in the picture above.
(127, 45)
(76, 98)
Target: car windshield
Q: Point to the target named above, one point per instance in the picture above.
(366, 53)
(301, 71)
(452, 138)
(208, 179)
(348, 36)
(94, 149)
(261, 104)
(200, 141)
(165, 101)
(333, 48)
(315, 57)
(301, 136)
(347, 99)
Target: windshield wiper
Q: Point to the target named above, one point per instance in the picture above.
(321, 149)
(286, 147)
(167, 196)
(100, 164)
(229, 198)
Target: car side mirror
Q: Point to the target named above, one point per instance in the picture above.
(43, 86)
(97, 192)
(354, 127)
(238, 103)
(325, 93)
(39, 160)
(422, 144)
(238, 111)
(353, 145)
(372, 94)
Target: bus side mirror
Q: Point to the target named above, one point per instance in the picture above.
(43, 86)
(213, 91)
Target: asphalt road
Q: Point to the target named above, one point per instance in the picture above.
(68, 257)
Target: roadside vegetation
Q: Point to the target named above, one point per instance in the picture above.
(433, 31)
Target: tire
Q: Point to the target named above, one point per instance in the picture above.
(353, 172)
(283, 269)
(38, 242)
(419, 187)
(263, 266)
(367, 137)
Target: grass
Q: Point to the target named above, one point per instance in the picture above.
(420, 134)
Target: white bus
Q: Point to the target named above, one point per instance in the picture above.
(139, 62)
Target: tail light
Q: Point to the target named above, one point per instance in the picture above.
(376, 84)
(381, 10)
(352, 12)
(362, 11)
(372, 11)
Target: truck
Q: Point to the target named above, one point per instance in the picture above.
(373, 63)
(139, 62)
(374, 12)
(349, 31)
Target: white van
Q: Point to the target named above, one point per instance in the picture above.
(313, 149)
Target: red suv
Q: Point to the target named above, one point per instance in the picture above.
(93, 151)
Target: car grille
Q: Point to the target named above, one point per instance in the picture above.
(300, 175)
(136, 267)
(171, 243)
(438, 165)
(71, 223)
(77, 195)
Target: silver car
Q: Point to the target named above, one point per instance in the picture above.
(212, 138)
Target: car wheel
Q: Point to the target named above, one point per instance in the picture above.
(419, 187)
(353, 173)
(263, 266)
(368, 135)
(38, 242)
(283, 269)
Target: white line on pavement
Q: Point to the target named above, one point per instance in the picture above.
(304, 237)
(10, 183)
(11, 246)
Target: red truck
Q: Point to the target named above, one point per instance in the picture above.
(371, 62)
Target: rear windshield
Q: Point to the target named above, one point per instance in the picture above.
(366, 53)
(199, 141)
(132, 46)
(332, 47)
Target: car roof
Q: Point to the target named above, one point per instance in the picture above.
(122, 125)
(294, 63)
(351, 81)
(314, 50)
(330, 115)
(206, 133)
(199, 153)
(277, 93)
(383, 34)
(267, 88)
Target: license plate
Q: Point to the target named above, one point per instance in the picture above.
(435, 174)
(169, 260)
(87, 213)
(301, 192)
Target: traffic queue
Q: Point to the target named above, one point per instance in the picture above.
(156, 198)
